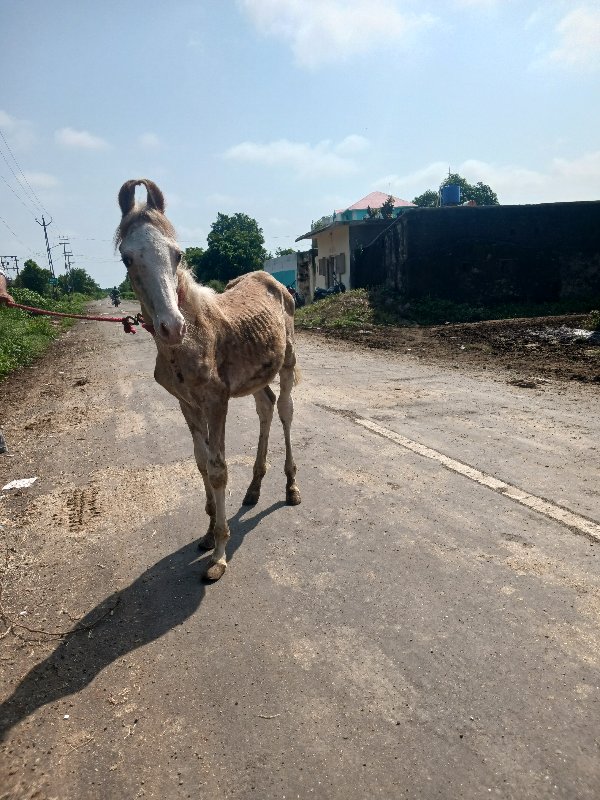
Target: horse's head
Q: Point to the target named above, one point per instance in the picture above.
(146, 241)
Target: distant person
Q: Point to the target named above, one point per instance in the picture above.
(5, 297)
(115, 296)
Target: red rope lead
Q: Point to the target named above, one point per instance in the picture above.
(128, 323)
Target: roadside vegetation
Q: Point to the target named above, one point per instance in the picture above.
(25, 336)
(364, 308)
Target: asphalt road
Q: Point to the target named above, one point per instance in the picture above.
(413, 629)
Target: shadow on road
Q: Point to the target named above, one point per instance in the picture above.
(161, 598)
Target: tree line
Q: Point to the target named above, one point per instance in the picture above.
(37, 279)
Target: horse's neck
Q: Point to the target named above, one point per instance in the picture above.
(196, 303)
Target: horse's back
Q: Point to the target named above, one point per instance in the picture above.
(259, 284)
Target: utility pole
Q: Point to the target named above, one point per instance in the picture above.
(68, 255)
(45, 225)
(6, 266)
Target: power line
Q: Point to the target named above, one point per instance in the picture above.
(34, 196)
(29, 208)
(16, 237)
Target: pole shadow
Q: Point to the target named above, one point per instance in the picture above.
(162, 597)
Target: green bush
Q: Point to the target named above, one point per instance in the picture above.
(28, 297)
(24, 336)
(592, 323)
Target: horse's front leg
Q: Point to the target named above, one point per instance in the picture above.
(199, 430)
(217, 475)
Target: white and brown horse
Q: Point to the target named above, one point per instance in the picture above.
(211, 347)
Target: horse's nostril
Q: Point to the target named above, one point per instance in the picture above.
(172, 333)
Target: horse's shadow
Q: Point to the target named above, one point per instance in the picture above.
(162, 597)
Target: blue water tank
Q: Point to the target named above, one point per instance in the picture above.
(450, 194)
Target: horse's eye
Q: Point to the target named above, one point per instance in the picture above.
(178, 257)
(127, 260)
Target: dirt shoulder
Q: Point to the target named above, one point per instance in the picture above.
(545, 347)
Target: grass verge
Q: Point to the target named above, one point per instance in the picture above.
(24, 336)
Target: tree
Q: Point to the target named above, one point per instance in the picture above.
(322, 222)
(33, 277)
(480, 193)
(235, 246)
(193, 258)
(428, 199)
(78, 280)
(387, 209)
(125, 286)
(281, 251)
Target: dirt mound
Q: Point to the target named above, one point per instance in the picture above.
(545, 347)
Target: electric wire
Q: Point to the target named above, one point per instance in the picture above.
(20, 199)
(16, 237)
(33, 195)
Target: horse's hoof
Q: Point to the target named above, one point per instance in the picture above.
(215, 571)
(206, 542)
(292, 497)
(251, 498)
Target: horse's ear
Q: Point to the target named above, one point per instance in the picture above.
(127, 196)
(155, 196)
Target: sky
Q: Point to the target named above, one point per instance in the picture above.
(284, 110)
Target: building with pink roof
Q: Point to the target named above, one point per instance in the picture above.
(337, 238)
(374, 200)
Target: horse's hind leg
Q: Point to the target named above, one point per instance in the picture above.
(285, 408)
(265, 403)
(199, 430)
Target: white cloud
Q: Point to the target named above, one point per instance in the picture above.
(352, 144)
(149, 141)
(476, 3)
(41, 180)
(306, 161)
(69, 137)
(330, 31)
(579, 39)
(18, 132)
(562, 180)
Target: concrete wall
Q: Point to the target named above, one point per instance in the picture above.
(489, 254)
(295, 268)
(281, 264)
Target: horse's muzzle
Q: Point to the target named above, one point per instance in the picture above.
(171, 332)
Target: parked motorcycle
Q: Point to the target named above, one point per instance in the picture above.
(299, 300)
(337, 288)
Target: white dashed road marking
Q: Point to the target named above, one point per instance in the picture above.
(588, 527)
